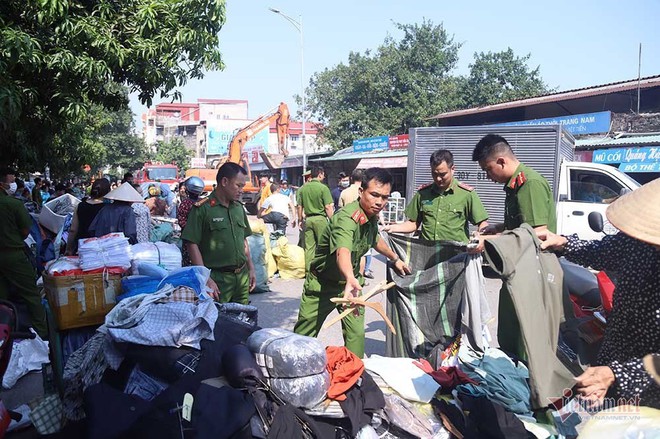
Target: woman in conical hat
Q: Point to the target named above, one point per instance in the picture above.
(633, 325)
(118, 216)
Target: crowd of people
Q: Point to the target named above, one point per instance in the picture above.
(339, 227)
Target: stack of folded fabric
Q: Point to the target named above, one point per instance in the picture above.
(111, 250)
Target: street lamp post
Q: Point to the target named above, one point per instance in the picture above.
(299, 27)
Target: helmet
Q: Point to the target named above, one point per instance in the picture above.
(154, 191)
(194, 185)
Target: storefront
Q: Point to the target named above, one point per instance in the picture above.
(637, 156)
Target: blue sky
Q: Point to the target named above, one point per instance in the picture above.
(576, 43)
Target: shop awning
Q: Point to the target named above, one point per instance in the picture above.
(383, 162)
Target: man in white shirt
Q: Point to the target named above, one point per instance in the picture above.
(280, 209)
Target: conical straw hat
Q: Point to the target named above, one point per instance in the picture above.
(637, 213)
(125, 192)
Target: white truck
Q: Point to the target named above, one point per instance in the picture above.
(579, 188)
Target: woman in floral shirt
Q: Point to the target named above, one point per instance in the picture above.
(633, 326)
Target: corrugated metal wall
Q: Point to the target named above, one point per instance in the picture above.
(541, 147)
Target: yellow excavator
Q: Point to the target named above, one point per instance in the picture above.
(252, 189)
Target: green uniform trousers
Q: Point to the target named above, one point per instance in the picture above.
(314, 228)
(508, 327)
(315, 306)
(18, 276)
(233, 287)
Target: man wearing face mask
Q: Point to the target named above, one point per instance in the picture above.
(342, 183)
(16, 273)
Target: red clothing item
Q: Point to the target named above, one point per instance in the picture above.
(447, 377)
(345, 370)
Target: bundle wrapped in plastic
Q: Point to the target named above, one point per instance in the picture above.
(294, 364)
(64, 266)
(258, 227)
(111, 250)
(290, 259)
(305, 392)
(162, 254)
(134, 285)
(283, 354)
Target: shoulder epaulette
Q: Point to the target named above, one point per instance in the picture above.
(424, 186)
(465, 186)
(518, 181)
(201, 202)
(359, 217)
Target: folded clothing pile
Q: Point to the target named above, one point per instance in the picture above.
(295, 365)
(162, 254)
(111, 250)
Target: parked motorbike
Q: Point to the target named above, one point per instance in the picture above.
(587, 302)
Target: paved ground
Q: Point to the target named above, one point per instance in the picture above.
(279, 308)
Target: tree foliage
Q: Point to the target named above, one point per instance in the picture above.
(389, 91)
(500, 77)
(173, 151)
(59, 58)
(405, 81)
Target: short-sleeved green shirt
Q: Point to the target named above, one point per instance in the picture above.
(529, 200)
(348, 228)
(446, 216)
(15, 219)
(313, 196)
(219, 231)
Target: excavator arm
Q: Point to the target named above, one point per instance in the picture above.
(281, 118)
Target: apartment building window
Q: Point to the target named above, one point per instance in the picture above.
(295, 137)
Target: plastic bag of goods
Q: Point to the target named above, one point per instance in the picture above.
(64, 266)
(162, 254)
(111, 250)
(294, 364)
(54, 212)
(134, 285)
(194, 277)
(290, 259)
(257, 245)
(258, 227)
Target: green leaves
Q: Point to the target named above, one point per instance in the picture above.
(405, 81)
(58, 58)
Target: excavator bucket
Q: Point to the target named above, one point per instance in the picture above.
(273, 161)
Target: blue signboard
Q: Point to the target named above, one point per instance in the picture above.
(371, 144)
(639, 167)
(647, 154)
(577, 124)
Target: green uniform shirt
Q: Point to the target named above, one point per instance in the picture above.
(529, 200)
(445, 216)
(219, 231)
(15, 219)
(313, 196)
(349, 228)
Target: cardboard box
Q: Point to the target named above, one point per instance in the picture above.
(84, 300)
(53, 221)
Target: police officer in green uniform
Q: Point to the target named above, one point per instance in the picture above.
(528, 200)
(445, 207)
(315, 201)
(216, 235)
(16, 272)
(334, 270)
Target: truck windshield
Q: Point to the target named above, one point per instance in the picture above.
(162, 173)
